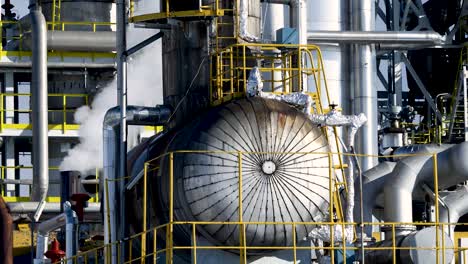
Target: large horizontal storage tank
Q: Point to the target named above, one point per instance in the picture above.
(277, 184)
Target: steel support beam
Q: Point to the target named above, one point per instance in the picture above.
(421, 87)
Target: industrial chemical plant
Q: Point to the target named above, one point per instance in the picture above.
(234, 131)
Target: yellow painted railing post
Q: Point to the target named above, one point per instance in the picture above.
(243, 253)
(143, 234)
(231, 72)
(244, 65)
(169, 238)
(106, 190)
(167, 8)
(64, 123)
(393, 244)
(194, 242)
(294, 243)
(299, 71)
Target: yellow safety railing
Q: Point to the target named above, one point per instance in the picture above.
(157, 242)
(285, 68)
(56, 12)
(18, 33)
(168, 11)
(28, 169)
(64, 112)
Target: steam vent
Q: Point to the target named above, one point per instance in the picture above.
(234, 131)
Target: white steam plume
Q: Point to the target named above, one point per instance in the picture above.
(144, 88)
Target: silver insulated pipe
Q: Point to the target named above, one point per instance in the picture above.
(136, 115)
(376, 37)
(412, 171)
(364, 99)
(39, 103)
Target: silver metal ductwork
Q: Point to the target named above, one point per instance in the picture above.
(103, 41)
(50, 208)
(457, 206)
(135, 115)
(364, 72)
(67, 218)
(373, 182)
(411, 171)
(40, 144)
(376, 37)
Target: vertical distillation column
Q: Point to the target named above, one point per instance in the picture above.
(274, 16)
(331, 16)
(364, 92)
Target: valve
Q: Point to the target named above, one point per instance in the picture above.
(81, 201)
(55, 254)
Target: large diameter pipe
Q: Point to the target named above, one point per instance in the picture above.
(67, 218)
(40, 153)
(376, 37)
(50, 208)
(59, 65)
(425, 238)
(412, 171)
(103, 41)
(6, 234)
(365, 95)
(373, 181)
(135, 115)
(456, 208)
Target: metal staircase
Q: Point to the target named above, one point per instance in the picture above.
(458, 128)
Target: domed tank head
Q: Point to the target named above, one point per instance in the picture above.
(285, 175)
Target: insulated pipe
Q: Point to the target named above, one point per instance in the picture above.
(50, 208)
(135, 115)
(6, 234)
(456, 207)
(60, 65)
(122, 103)
(103, 41)
(365, 95)
(39, 103)
(376, 37)
(68, 218)
(284, 2)
(298, 17)
(373, 182)
(411, 171)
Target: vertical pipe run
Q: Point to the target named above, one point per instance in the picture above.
(122, 102)
(365, 93)
(39, 103)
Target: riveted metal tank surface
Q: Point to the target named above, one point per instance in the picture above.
(277, 184)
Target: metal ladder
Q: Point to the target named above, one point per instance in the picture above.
(56, 10)
(458, 129)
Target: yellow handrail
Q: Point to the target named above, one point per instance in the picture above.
(27, 198)
(158, 231)
(64, 125)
